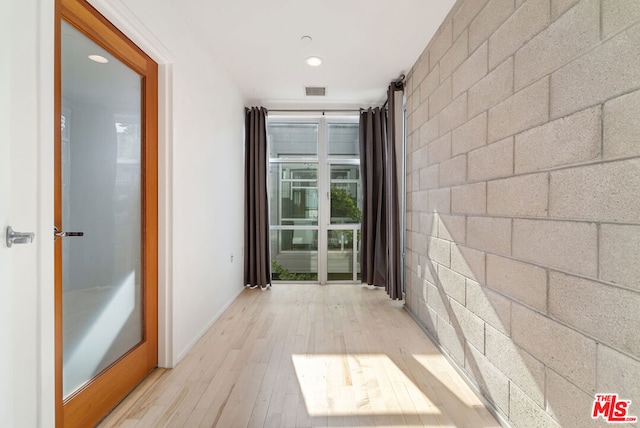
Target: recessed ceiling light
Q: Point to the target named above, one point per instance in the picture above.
(306, 39)
(313, 61)
(98, 58)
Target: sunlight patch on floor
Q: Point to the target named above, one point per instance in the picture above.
(357, 384)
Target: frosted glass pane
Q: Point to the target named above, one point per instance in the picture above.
(343, 140)
(101, 196)
(293, 140)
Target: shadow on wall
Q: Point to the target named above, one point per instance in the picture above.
(509, 350)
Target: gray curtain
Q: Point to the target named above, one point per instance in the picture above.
(381, 252)
(257, 257)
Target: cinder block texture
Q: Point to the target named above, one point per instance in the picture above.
(439, 251)
(607, 71)
(420, 158)
(469, 136)
(469, 199)
(600, 310)
(471, 325)
(438, 301)
(420, 201)
(525, 195)
(619, 255)
(491, 381)
(558, 7)
(440, 149)
(429, 178)
(488, 20)
(601, 192)
(429, 131)
(471, 70)
(526, 413)
(519, 366)
(524, 110)
(618, 14)
(451, 342)
(568, 404)
(452, 283)
(468, 262)
(570, 246)
(456, 55)
(429, 84)
(421, 113)
(428, 225)
(421, 69)
(441, 43)
(565, 141)
(452, 228)
(523, 172)
(578, 29)
(520, 281)
(440, 98)
(453, 171)
(428, 318)
(439, 200)
(617, 372)
(465, 14)
(559, 347)
(492, 161)
(493, 308)
(621, 126)
(526, 22)
(454, 115)
(495, 87)
(491, 234)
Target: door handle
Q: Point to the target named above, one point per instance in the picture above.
(14, 237)
(60, 234)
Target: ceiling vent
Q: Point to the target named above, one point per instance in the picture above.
(315, 91)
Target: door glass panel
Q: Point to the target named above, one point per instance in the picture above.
(346, 198)
(294, 194)
(101, 196)
(340, 255)
(343, 140)
(294, 255)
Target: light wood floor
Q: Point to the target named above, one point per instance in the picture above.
(307, 356)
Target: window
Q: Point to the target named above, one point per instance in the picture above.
(315, 198)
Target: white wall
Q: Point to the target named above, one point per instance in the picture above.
(204, 170)
(26, 164)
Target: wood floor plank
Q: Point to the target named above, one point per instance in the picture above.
(307, 356)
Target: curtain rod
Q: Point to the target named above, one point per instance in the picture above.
(301, 110)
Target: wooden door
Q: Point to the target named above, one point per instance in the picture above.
(105, 215)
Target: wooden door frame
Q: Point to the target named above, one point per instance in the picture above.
(132, 367)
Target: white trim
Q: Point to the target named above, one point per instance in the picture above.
(45, 399)
(125, 20)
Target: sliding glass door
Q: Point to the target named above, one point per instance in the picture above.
(315, 199)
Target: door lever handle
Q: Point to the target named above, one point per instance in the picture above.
(61, 234)
(14, 237)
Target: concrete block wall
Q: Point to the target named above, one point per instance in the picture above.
(523, 202)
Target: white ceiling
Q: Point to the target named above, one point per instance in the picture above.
(364, 44)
